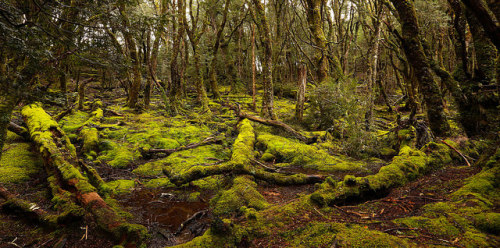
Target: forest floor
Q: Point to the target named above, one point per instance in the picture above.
(450, 205)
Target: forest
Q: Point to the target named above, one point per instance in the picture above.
(249, 123)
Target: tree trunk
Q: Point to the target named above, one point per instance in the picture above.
(133, 93)
(215, 51)
(267, 63)
(416, 57)
(301, 92)
(254, 104)
(485, 52)
(482, 13)
(316, 26)
(7, 104)
(175, 85)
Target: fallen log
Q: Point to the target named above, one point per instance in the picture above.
(274, 123)
(59, 157)
(408, 165)
(241, 164)
(148, 153)
(27, 209)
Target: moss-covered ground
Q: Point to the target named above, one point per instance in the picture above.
(398, 196)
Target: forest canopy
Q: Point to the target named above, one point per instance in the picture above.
(249, 123)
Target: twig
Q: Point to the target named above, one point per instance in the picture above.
(459, 153)
(317, 211)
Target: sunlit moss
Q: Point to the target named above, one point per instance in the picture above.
(18, 163)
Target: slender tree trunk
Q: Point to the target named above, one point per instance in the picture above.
(301, 92)
(267, 63)
(253, 69)
(416, 57)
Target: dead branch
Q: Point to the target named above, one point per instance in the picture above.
(459, 153)
(268, 122)
(21, 131)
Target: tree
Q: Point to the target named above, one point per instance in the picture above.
(260, 19)
(415, 53)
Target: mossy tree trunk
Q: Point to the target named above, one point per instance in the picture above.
(215, 51)
(175, 77)
(416, 57)
(487, 20)
(7, 103)
(194, 35)
(133, 94)
(315, 22)
(267, 63)
(254, 88)
(485, 52)
(460, 27)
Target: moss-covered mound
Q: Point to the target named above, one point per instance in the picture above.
(295, 153)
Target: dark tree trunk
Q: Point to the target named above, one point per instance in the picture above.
(416, 57)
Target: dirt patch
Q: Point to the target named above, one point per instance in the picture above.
(163, 211)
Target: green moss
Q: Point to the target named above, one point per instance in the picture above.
(119, 156)
(213, 183)
(72, 122)
(18, 163)
(158, 182)
(488, 222)
(308, 156)
(481, 188)
(182, 161)
(90, 139)
(150, 169)
(243, 145)
(121, 186)
(267, 157)
(437, 226)
(242, 193)
(12, 137)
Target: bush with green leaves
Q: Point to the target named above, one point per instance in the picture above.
(340, 108)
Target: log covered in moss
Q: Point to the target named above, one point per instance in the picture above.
(60, 159)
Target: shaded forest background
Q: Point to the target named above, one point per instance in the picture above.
(327, 84)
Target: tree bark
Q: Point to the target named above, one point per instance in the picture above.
(301, 92)
(215, 52)
(267, 63)
(7, 104)
(133, 94)
(489, 23)
(316, 26)
(415, 53)
(254, 88)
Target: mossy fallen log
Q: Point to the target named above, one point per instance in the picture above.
(405, 167)
(241, 163)
(26, 209)
(60, 159)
